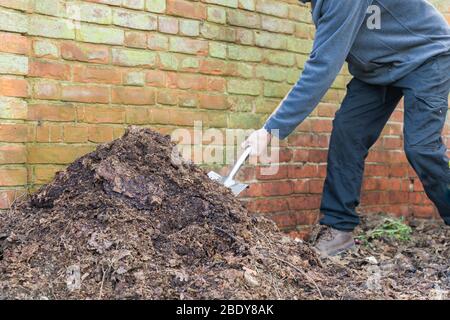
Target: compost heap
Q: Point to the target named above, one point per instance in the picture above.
(133, 220)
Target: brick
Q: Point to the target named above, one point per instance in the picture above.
(214, 66)
(134, 78)
(160, 116)
(49, 70)
(12, 108)
(218, 32)
(138, 115)
(48, 133)
(293, 75)
(136, 39)
(13, 176)
(187, 99)
(249, 87)
(86, 93)
(304, 202)
(168, 61)
(281, 173)
(75, 133)
(186, 81)
(134, 4)
(216, 84)
(189, 46)
(268, 205)
(215, 102)
(158, 42)
(51, 112)
(277, 25)
(281, 58)
(244, 53)
(267, 40)
(13, 64)
(158, 6)
(217, 15)
(244, 121)
(185, 118)
(14, 43)
(13, 21)
(85, 52)
(13, 87)
(276, 90)
(190, 64)
(155, 78)
(12, 154)
(217, 120)
(167, 97)
(244, 19)
(241, 69)
(50, 7)
(299, 14)
(226, 3)
(299, 45)
(186, 9)
(241, 103)
(22, 5)
(272, 73)
(45, 49)
(99, 114)
(135, 20)
(51, 27)
(56, 154)
(168, 25)
(89, 12)
(133, 96)
(44, 174)
(218, 50)
(244, 36)
(13, 132)
(118, 132)
(247, 5)
(96, 74)
(189, 28)
(133, 58)
(272, 7)
(279, 188)
(100, 134)
(47, 90)
(100, 34)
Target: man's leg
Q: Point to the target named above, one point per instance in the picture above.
(356, 127)
(426, 93)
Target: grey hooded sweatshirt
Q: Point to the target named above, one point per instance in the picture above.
(382, 41)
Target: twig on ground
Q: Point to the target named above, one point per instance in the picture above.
(302, 273)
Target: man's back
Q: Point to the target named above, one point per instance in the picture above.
(396, 38)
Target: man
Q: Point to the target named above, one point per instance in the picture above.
(406, 53)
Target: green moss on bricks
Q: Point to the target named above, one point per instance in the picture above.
(133, 58)
(248, 87)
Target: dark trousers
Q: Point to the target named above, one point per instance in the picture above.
(358, 124)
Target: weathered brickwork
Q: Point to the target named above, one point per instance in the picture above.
(76, 73)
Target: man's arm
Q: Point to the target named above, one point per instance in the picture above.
(337, 29)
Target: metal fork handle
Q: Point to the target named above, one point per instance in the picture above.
(238, 165)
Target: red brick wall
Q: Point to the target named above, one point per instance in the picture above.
(76, 73)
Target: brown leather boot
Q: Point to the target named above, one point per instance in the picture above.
(331, 242)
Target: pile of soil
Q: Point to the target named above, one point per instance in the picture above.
(134, 220)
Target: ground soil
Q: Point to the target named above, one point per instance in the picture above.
(132, 220)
